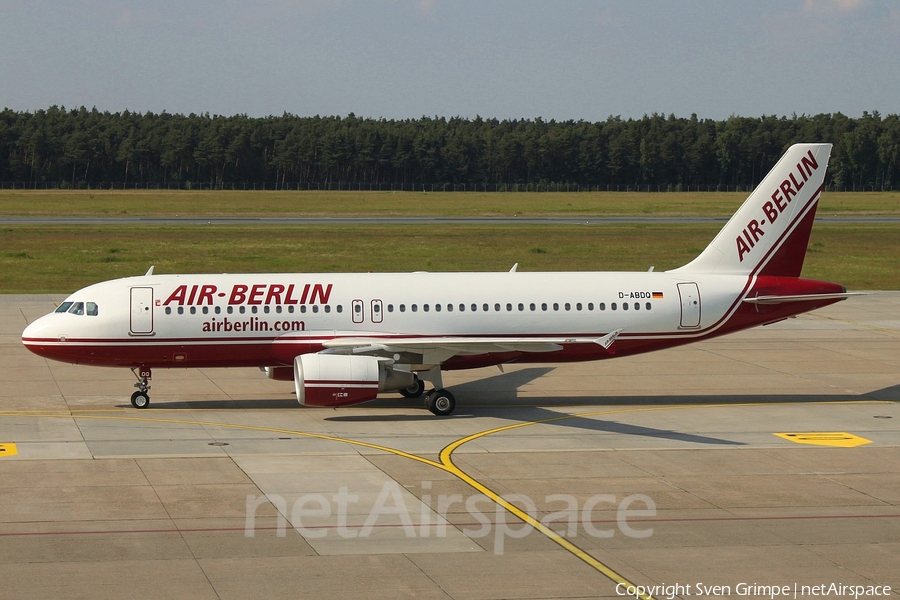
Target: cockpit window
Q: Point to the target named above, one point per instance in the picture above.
(92, 309)
(64, 307)
(77, 308)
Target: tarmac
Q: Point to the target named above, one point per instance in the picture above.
(761, 462)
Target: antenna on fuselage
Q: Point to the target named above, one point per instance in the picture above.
(149, 271)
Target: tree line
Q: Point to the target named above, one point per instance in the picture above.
(79, 147)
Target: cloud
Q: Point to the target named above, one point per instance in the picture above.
(835, 6)
(426, 8)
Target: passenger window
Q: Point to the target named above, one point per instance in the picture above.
(328, 308)
(568, 306)
(290, 309)
(509, 307)
(637, 306)
(555, 306)
(414, 308)
(168, 310)
(402, 308)
(613, 306)
(242, 309)
(180, 310)
(497, 307)
(340, 308)
(543, 306)
(425, 307)
(205, 310)
(315, 308)
(532, 307)
(302, 308)
(578, 306)
(219, 309)
(230, 310)
(253, 309)
(449, 308)
(437, 308)
(64, 307)
(647, 306)
(92, 310)
(485, 307)
(390, 308)
(590, 306)
(462, 308)
(602, 306)
(266, 309)
(193, 310)
(77, 308)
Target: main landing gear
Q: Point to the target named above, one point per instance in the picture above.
(439, 402)
(141, 399)
(415, 390)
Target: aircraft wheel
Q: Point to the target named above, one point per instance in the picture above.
(415, 390)
(440, 402)
(140, 400)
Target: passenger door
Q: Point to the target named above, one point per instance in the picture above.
(142, 311)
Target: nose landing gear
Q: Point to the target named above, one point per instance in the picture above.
(141, 399)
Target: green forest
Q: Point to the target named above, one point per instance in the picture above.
(80, 148)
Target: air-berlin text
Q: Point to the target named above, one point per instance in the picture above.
(781, 198)
(257, 293)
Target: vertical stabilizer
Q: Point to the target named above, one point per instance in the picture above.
(769, 233)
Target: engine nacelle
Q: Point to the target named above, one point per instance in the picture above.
(340, 380)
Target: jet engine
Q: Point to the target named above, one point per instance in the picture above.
(340, 380)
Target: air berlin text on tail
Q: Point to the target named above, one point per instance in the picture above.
(260, 293)
(781, 197)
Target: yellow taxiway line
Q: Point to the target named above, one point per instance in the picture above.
(445, 464)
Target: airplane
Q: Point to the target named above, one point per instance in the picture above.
(344, 338)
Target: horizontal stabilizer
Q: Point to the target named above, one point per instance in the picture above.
(801, 298)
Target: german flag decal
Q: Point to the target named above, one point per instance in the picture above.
(657, 295)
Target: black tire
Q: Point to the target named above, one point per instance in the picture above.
(414, 391)
(140, 400)
(440, 403)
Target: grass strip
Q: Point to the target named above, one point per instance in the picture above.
(63, 258)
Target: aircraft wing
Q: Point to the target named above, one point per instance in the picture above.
(434, 351)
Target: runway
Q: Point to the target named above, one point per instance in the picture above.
(550, 481)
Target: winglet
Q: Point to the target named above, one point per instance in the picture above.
(607, 340)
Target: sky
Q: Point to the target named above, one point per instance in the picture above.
(504, 59)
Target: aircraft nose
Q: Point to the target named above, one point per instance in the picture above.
(36, 332)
